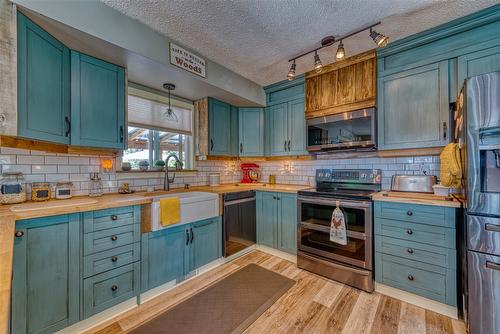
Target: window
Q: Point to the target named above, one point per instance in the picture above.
(156, 131)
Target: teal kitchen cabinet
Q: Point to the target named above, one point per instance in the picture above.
(43, 84)
(45, 285)
(97, 103)
(415, 249)
(222, 128)
(414, 107)
(173, 253)
(251, 132)
(277, 220)
(477, 63)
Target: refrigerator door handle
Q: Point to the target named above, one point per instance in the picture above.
(492, 265)
(492, 227)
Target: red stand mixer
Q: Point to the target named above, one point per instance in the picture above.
(251, 173)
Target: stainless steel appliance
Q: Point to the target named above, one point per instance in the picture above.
(352, 263)
(346, 131)
(413, 183)
(478, 134)
(239, 227)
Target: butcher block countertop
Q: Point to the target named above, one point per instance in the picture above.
(417, 198)
(10, 213)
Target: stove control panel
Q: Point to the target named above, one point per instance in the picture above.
(349, 175)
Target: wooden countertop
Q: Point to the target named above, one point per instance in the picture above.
(416, 198)
(10, 213)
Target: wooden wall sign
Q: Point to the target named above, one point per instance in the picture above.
(184, 59)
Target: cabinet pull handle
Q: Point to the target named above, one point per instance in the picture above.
(288, 145)
(19, 234)
(114, 288)
(445, 130)
(284, 146)
(114, 237)
(409, 213)
(114, 258)
(68, 123)
(410, 251)
(211, 144)
(114, 217)
(192, 235)
(278, 198)
(492, 227)
(492, 265)
(187, 237)
(121, 133)
(274, 197)
(409, 231)
(241, 147)
(411, 278)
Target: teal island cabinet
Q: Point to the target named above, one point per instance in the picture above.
(415, 249)
(277, 220)
(173, 253)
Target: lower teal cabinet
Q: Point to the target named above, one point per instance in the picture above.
(172, 253)
(45, 286)
(277, 220)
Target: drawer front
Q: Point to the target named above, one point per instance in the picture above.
(439, 256)
(419, 214)
(107, 239)
(427, 234)
(425, 280)
(114, 258)
(110, 288)
(484, 234)
(109, 218)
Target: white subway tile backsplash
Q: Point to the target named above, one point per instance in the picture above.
(7, 159)
(79, 161)
(30, 159)
(43, 169)
(55, 160)
(8, 150)
(79, 177)
(90, 169)
(25, 169)
(68, 169)
(57, 177)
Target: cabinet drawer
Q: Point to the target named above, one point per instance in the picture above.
(106, 239)
(110, 288)
(427, 234)
(109, 218)
(423, 279)
(439, 256)
(419, 214)
(116, 257)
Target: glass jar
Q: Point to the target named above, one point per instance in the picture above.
(40, 191)
(12, 188)
(64, 190)
(95, 187)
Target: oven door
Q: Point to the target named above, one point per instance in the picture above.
(313, 235)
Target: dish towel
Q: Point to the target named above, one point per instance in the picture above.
(338, 232)
(451, 167)
(170, 211)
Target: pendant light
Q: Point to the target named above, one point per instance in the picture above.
(317, 62)
(291, 73)
(169, 114)
(379, 39)
(340, 51)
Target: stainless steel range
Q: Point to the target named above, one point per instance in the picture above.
(351, 191)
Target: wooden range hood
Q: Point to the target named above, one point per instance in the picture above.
(342, 86)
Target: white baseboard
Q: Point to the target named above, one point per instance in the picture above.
(423, 302)
(100, 318)
(278, 253)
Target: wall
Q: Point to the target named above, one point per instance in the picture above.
(40, 166)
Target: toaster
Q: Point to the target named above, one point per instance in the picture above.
(413, 183)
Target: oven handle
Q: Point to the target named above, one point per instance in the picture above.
(333, 264)
(331, 202)
(325, 229)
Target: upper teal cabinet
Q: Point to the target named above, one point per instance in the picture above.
(66, 97)
(285, 125)
(222, 128)
(43, 84)
(97, 102)
(414, 107)
(479, 62)
(251, 132)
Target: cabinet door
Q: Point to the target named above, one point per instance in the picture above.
(45, 286)
(413, 108)
(165, 256)
(478, 63)
(287, 222)
(219, 119)
(266, 218)
(296, 127)
(97, 103)
(277, 129)
(43, 84)
(251, 132)
(206, 243)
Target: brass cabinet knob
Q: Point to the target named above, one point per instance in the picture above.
(19, 234)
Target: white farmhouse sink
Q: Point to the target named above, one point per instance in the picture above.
(195, 206)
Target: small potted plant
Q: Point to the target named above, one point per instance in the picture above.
(143, 165)
(159, 165)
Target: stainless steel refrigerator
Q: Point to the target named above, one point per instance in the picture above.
(477, 129)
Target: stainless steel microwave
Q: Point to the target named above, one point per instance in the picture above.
(353, 130)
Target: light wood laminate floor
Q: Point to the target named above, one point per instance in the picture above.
(313, 305)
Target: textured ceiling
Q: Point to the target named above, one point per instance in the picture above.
(255, 38)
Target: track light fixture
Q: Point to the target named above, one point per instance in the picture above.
(380, 39)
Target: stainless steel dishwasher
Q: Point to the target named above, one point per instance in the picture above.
(239, 228)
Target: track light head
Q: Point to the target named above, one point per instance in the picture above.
(379, 39)
(291, 73)
(340, 51)
(317, 62)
